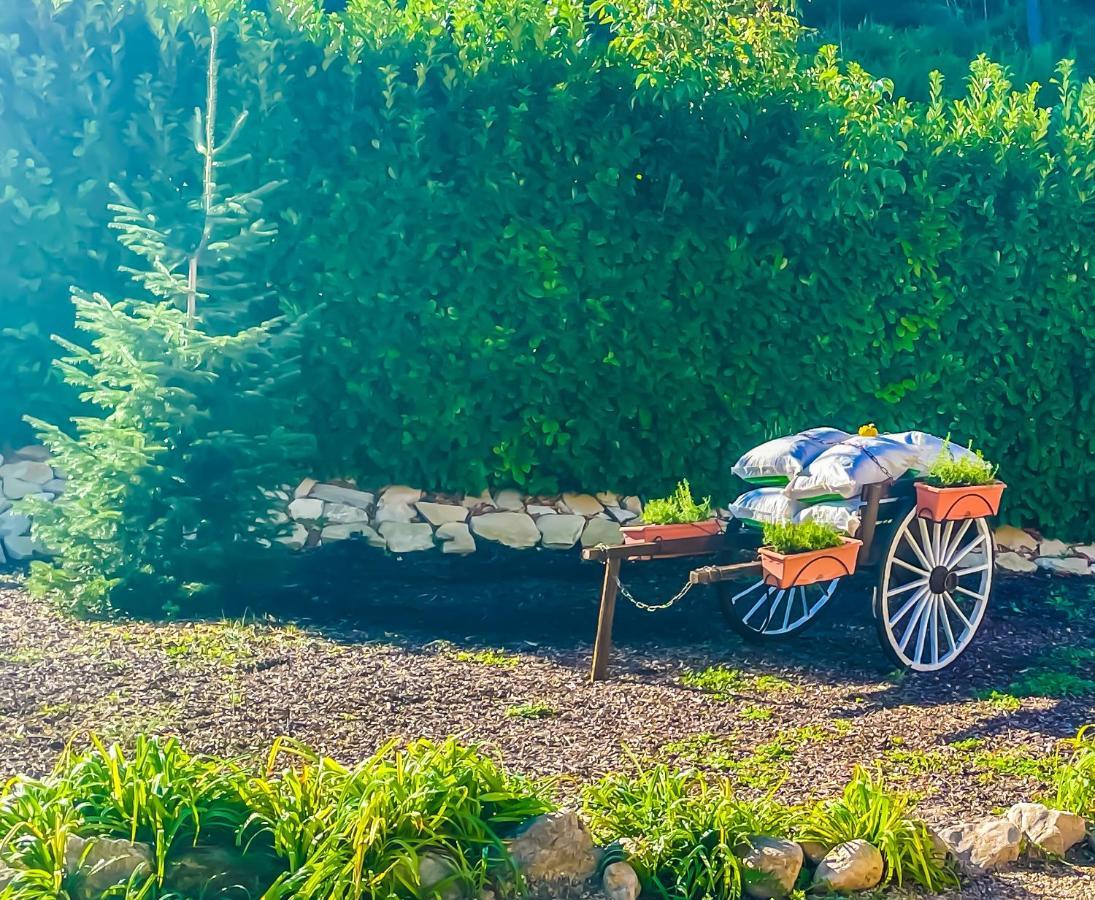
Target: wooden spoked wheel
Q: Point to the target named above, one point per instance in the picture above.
(759, 612)
(934, 590)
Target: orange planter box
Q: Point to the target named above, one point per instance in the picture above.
(950, 504)
(641, 534)
(798, 569)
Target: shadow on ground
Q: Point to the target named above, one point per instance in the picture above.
(540, 602)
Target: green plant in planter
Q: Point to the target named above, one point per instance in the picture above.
(949, 470)
(677, 508)
(800, 537)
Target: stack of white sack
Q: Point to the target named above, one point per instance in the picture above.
(819, 474)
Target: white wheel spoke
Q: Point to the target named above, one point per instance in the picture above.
(935, 630)
(748, 590)
(759, 604)
(971, 570)
(790, 606)
(911, 567)
(909, 604)
(965, 551)
(925, 545)
(947, 627)
(911, 586)
(958, 610)
(922, 634)
(937, 536)
(945, 543)
(913, 621)
(976, 596)
(955, 542)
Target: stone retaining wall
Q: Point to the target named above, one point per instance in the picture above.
(402, 519)
(405, 520)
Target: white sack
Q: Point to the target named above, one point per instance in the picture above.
(928, 447)
(845, 469)
(843, 515)
(779, 460)
(764, 505)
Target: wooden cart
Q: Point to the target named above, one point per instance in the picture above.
(929, 582)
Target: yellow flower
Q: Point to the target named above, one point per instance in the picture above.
(868, 430)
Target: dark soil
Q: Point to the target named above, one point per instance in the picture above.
(389, 651)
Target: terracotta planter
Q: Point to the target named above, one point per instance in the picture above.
(641, 534)
(784, 570)
(950, 504)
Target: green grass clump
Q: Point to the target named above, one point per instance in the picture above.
(329, 830)
(158, 794)
(683, 829)
(536, 709)
(718, 681)
(870, 811)
(349, 832)
(496, 658)
(757, 713)
(1002, 701)
(949, 470)
(1074, 780)
(800, 537)
(677, 508)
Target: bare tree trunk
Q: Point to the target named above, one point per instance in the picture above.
(208, 182)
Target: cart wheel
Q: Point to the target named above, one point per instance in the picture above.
(934, 590)
(764, 613)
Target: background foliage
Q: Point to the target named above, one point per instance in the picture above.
(585, 246)
(906, 41)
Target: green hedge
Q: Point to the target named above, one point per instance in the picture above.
(594, 248)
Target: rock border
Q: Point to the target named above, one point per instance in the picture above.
(403, 520)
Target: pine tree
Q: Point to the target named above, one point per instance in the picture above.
(168, 502)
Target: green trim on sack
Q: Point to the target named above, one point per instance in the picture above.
(768, 480)
(824, 498)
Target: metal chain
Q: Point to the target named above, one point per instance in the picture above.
(648, 607)
(653, 607)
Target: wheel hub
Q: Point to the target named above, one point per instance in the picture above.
(942, 579)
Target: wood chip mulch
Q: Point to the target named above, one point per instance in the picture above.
(414, 667)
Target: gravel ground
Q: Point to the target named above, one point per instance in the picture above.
(448, 658)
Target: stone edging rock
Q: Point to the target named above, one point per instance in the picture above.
(25, 474)
(1025, 552)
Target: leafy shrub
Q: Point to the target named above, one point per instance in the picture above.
(1075, 778)
(949, 470)
(678, 507)
(800, 537)
(870, 811)
(593, 317)
(682, 830)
